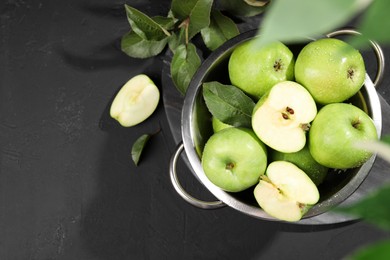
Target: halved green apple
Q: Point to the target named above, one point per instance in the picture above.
(135, 101)
(285, 191)
(281, 117)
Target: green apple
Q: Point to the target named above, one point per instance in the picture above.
(304, 161)
(285, 191)
(331, 69)
(234, 158)
(218, 125)
(282, 116)
(256, 69)
(135, 101)
(334, 133)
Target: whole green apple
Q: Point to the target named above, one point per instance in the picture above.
(218, 125)
(234, 158)
(334, 133)
(256, 69)
(304, 161)
(331, 69)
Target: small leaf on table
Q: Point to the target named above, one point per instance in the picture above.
(221, 29)
(138, 147)
(185, 62)
(228, 103)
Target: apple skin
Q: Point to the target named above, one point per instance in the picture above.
(325, 66)
(218, 125)
(304, 161)
(135, 101)
(334, 133)
(256, 69)
(234, 158)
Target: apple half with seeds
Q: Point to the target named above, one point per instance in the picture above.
(135, 101)
(282, 117)
(285, 192)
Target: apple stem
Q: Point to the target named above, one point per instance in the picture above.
(356, 124)
(229, 166)
(305, 127)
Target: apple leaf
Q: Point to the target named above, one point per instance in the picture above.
(177, 39)
(135, 46)
(184, 64)
(379, 250)
(138, 147)
(240, 8)
(221, 29)
(375, 20)
(308, 18)
(196, 12)
(144, 26)
(373, 208)
(228, 104)
(168, 23)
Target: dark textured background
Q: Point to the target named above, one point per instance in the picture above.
(68, 189)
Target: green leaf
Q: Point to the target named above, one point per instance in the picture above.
(378, 251)
(177, 39)
(196, 12)
(168, 23)
(374, 208)
(386, 139)
(228, 103)
(294, 21)
(240, 8)
(144, 26)
(185, 62)
(221, 29)
(375, 22)
(135, 46)
(138, 147)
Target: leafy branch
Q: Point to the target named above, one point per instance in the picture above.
(149, 36)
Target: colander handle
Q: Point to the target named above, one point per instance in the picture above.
(375, 47)
(180, 190)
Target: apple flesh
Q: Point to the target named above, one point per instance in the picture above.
(286, 192)
(334, 133)
(305, 161)
(256, 69)
(281, 117)
(234, 158)
(330, 69)
(135, 101)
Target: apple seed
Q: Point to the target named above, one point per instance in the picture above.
(290, 110)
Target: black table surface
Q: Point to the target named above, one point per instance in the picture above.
(68, 187)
